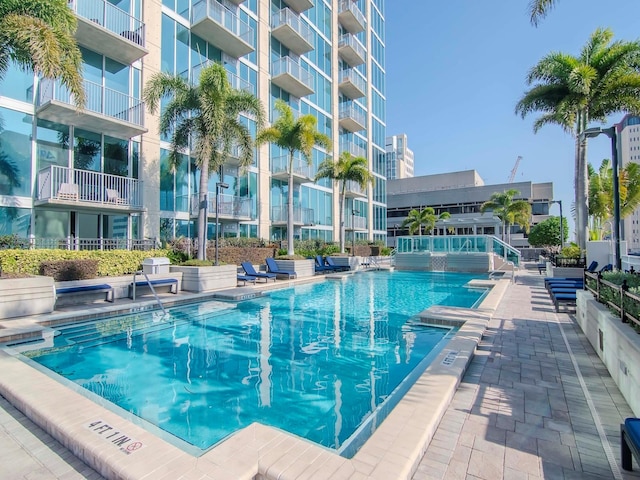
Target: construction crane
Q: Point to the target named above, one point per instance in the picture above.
(512, 175)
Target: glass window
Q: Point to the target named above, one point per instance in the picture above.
(15, 221)
(52, 224)
(52, 144)
(116, 156)
(15, 153)
(17, 84)
(87, 150)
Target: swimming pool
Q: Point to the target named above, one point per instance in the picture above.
(318, 360)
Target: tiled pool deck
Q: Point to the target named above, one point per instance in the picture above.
(521, 411)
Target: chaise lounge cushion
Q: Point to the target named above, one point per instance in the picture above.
(632, 426)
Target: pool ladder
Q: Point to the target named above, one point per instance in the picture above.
(153, 290)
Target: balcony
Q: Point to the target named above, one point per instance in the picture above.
(108, 30)
(299, 6)
(350, 16)
(352, 84)
(65, 187)
(222, 28)
(302, 173)
(351, 50)
(230, 207)
(353, 190)
(287, 74)
(237, 2)
(234, 80)
(291, 31)
(353, 149)
(351, 119)
(301, 216)
(107, 111)
(352, 222)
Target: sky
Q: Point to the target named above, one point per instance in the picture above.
(456, 69)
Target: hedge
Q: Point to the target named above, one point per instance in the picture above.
(110, 262)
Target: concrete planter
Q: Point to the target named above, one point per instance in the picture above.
(616, 343)
(26, 296)
(204, 279)
(352, 262)
(303, 268)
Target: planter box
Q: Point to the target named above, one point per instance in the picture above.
(352, 262)
(26, 296)
(564, 272)
(204, 279)
(616, 343)
(303, 268)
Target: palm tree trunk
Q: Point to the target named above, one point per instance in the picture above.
(290, 249)
(202, 210)
(342, 230)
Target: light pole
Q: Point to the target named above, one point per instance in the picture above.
(611, 133)
(559, 202)
(219, 185)
(353, 231)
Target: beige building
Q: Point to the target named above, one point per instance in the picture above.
(100, 178)
(399, 157)
(628, 131)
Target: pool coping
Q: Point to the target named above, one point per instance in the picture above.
(258, 451)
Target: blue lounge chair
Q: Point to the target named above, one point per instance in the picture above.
(251, 272)
(630, 442)
(320, 266)
(592, 267)
(338, 268)
(247, 278)
(607, 268)
(568, 299)
(272, 267)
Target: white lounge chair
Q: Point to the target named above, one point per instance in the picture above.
(68, 191)
(113, 196)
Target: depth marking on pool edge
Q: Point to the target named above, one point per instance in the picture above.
(125, 444)
(449, 358)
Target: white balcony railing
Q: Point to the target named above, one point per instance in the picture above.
(353, 76)
(352, 8)
(224, 17)
(229, 206)
(87, 187)
(102, 100)
(288, 17)
(300, 215)
(110, 17)
(300, 168)
(349, 40)
(353, 149)
(354, 188)
(286, 65)
(234, 80)
(352, 222)
(348, 110)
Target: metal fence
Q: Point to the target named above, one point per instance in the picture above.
(616, 297)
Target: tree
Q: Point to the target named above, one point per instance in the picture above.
(347, 169)
(508, 210)
(293, 135)
(546, 234)
(601, 193)
(573, 91)
(538, 9)
(206, 118)
(38, 35)
(423, 218)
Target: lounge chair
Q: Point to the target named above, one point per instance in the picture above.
(68, 191)
(247, 278)
(251, 272)
(568, 299)
(592, 267)
(630, 442)
(607, 268)
(320, 266)
(113, 196)
(272, 267)
(338, 268)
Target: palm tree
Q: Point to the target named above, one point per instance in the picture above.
(508, 210)
(347, 169)
(38, 35)
(573, 91)
(293, 135)
(423, 218)
(538, 9)
(601, 193)
(204, 117)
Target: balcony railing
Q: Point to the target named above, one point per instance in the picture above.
(87, 187)
(351, 49)
(353, 149)
(234, 80)
(280, 165)
(230, 206)
(352, 83)
(73, 243)
(102, 100)
(110, 17)
(228, 21)
(298, 37)
(300, 215)
(352, 222)
(351, 117)
(350, 16)
(354, 188)
(302, 83)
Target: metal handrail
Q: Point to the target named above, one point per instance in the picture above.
(153, 290)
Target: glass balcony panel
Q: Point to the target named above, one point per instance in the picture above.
(351, 50)
(301, 216)
(287, 74)
(302, 173)
(350, 16)
(289, 29)
(221, 27)
(352, 84)
(351, 119)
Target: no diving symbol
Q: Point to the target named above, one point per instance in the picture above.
(132, 447)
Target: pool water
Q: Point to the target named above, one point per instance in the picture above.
(318, 360)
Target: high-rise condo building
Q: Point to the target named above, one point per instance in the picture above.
(100, 177)
(399, 157)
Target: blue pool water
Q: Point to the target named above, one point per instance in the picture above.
(318, 360)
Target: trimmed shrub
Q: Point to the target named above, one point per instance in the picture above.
(65, 270)
(197, 263)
